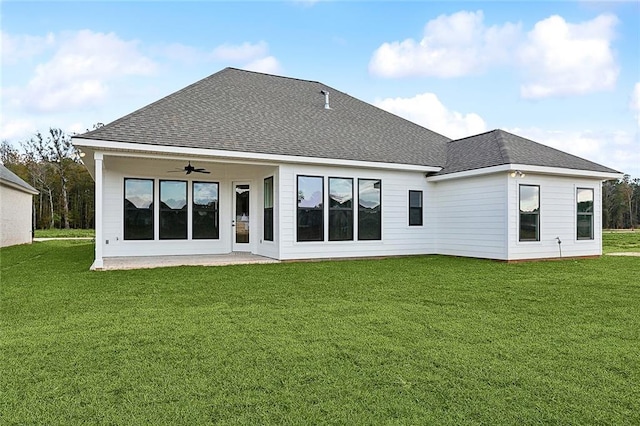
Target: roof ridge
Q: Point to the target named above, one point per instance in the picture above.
(271, 75)
(505, 151)
(472, 136)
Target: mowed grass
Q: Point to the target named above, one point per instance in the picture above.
(621, 241)
(65, 233)
(419, 340)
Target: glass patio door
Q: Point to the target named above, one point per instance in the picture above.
(241, 217)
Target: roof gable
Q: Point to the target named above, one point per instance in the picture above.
(13, 180)
(236, 110)
(499, 147)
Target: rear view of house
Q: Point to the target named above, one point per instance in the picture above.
(294, 169)
(16, 198)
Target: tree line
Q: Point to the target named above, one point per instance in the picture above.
(53, 166)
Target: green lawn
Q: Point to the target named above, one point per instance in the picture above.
(621, 241)
(64, 233)
(421, 340)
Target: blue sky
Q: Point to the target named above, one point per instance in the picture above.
(566, 74)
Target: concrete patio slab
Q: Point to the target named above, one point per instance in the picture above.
(146, 262)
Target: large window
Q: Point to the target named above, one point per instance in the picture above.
(205, 213)
(173, 210)
(415, 208)
(529, 213)
(340, 209)
(138, 209)
(369, 209)
(585, 213)
(310, 208)
(268, 209)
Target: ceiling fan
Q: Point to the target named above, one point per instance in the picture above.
(188, 169)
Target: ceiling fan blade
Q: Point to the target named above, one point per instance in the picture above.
(202, 171)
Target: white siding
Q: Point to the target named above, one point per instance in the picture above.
(557, 218)
(398, 238)
(15, 216)
(471, 215)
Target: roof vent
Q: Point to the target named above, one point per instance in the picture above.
(326, 99)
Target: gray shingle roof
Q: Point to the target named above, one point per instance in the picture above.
(8, 176)
(236, 110)
(498, 147)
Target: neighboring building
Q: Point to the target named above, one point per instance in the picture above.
(16, 198)
(293, 169)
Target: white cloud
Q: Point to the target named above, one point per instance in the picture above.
(241, 53)
(15, 128)
(556, 58)
(16, 48)
(269, 65)
(560, 58)
(250, 56)
(80, 71)
(426, 110)
(452, 46)
(635, 102)
(616, 149)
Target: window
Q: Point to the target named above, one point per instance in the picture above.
(138, 209)
(340, 209)
(415, 208)
(268, 209)
(310, 208)
(205, 213)
(369, 209)
(529, 213)
(584, 221)
(173, 210)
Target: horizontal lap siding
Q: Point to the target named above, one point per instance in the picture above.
(557, 219)
(117, 169)
(398, 238)
(471, 217)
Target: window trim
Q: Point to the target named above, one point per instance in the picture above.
(160, 209)
(124, 209)
(421, 207)
(591, 214)
(380, 213)
(330, 209)
(536, 214)
(194, 210)
(265, 236)
(322, 227)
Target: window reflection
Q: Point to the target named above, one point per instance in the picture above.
(138, 209)
(369, 209)
(529, 213)
(173, 210)
(310, 208)
(340, 209)
(268, 209)
(205, 214)
(584, 222)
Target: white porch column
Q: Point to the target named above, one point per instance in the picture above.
(98, 262)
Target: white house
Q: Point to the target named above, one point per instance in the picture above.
(16, 199)
(293, 169)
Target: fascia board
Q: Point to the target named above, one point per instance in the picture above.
(18, 187)
(556, 171)
(130, 149)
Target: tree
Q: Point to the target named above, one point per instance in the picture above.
(58, 153)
